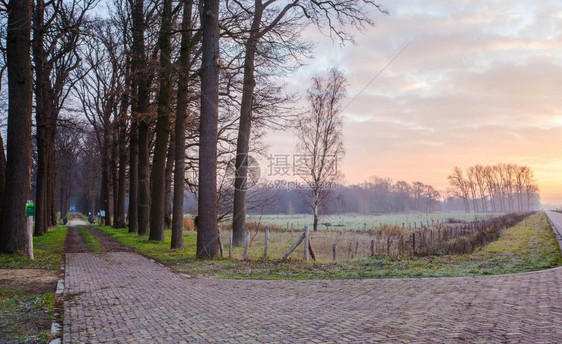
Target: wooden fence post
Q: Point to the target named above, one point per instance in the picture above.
(230, 245)
(356, 249)
(414, 242)
(297, 243)
(266, 243)
(372, 247)
(388, 246)
(335, 252)
(221, 247)
(306, 234)
(246, 244)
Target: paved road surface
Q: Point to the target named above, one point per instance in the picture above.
(77, 222)
(556, 221)
(122, 297)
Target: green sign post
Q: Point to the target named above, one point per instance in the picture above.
(30, 212)
(30, 209)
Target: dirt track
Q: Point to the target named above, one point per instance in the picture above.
(75, 244)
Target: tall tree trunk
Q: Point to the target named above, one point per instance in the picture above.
(41, 114)
(158, 208)
(168, 183)
(182, 101)
(122, 177)
(244, 130)
(52, 185)
(207, 233)
(115, 169)
(106, 183)
(144, 165)
(315, 203)
(41, 197)
(140, 111)
(65, 198)
(46, 116)
(2, 179)
(132, 215)
(18, 165)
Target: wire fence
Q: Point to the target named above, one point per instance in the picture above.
(450, 237)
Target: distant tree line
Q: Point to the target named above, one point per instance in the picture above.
(497, 188)
(377, 196)
(500, 188)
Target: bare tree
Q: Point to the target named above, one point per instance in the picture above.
(18, 165)
(3, 66)
(207, 232)
(184, 65)
(402, 193)
(460, 187)
(90, 171)
(319, 132)
(67, 149)
(479, 174)
(2, 177)
(472, 187)
(491, 186)
(139, 140)
(120, 21)
(56, 34)
(501, 187)
(158, 175)
(281, 19)
(431, 198)
(99, 92)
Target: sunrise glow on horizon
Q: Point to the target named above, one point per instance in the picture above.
(479, 84)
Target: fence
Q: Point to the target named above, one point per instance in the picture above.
(451, 237)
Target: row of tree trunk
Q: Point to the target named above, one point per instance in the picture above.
(15, 170)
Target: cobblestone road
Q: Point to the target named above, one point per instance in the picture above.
(122, 297)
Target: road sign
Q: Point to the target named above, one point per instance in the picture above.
(30, 209)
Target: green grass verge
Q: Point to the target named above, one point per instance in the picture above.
(26, 318)
(528, 246)
(48, 250)
(155, 249)
(89, 239)
(23, 316)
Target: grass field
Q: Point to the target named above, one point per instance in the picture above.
(528, 246)
(26, 308)
(48, 250)
(361, 222)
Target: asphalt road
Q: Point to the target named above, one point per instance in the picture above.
(556, 221)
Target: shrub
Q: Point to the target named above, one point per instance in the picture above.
(392, 230)
(188, 223)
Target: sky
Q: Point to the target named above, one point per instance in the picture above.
(479, 83)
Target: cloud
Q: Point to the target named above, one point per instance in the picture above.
(479, 84)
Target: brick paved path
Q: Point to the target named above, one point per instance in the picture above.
(121, 297)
